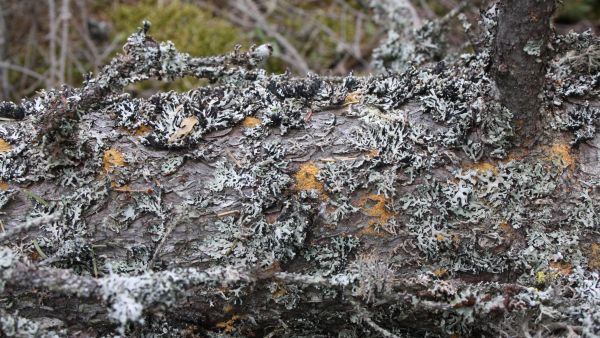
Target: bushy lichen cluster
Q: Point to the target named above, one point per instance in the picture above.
(573, 81)
(385, 196)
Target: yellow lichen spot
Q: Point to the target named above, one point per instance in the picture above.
(372, 153)
(228, 326)
(112, 158)
(439, 237)
(483, 167)
(562, 152)
(306, 179)
(228, 308)
(141, 130)
(371, 231)
(250, 122)
(563, 268)
(3, 185)
(280, 292)
(352, 98)
(439, 273)
(378, 210)
(505, 227)
(274, 267)
(4, 146)
(121, 188)
(540, 277)
(594, 259)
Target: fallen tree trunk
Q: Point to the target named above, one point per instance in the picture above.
(269, 205)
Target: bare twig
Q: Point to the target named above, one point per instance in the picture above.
(23, 70)
(251, 9)
(65, 16)
(52, 76)
(3, 54)
(170, 227)
(30, 223)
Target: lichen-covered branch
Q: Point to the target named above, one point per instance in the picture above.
(270, 205)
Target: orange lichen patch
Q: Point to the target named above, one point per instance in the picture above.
(562, 152)
(483, 167)
(352, 98)
(372, 153)
(228, 326)
(371, 231)
(141, 130)
(280, 292)
(4, 146)
(563, 268)
(250, 122)
(34, 255)
(515, 155)
(274, 267)
(3, 185)
(306, 179)
(228, 308)
(112, 158)
(121, 188)
(594, 259)
(505, 227)
(439, 273)
(378, 210)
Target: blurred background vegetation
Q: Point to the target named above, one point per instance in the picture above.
(47, 43)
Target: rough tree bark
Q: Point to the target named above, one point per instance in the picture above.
(268, 205)
(520, 58)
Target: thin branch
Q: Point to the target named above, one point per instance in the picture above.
(23, 70)
(30, 223)
(251, 9)
(65, 16)
(52, 76)
(170, 227)
(3, 54)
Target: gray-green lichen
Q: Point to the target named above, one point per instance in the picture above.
(533, 47)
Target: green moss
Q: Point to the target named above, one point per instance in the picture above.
(437, 8)
(573, 11)
(191, 28)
